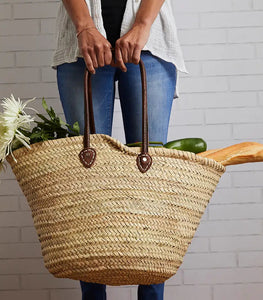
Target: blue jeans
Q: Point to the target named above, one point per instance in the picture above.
(161, 81)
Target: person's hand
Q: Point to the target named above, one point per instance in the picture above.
(95, 49)
(128, 47)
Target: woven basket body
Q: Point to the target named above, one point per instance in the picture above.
(112, 224)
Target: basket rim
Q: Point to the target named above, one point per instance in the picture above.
(163, 152)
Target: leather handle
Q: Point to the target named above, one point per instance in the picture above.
(88, 154)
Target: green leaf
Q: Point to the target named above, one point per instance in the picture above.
(73, 131)
(62, 122)
(43, 118)
(76, 126)
(44, 104)
(52, 113)
(44, 136)
(35, 135)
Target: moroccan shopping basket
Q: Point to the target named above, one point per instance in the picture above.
(112, 214)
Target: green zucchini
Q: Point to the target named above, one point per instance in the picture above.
(195, 145)
(139, 144)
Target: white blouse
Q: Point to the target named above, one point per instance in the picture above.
(163, 40)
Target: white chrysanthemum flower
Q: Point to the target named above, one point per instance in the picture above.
(13, 108)
(11, 120)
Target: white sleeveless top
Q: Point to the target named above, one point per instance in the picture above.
(163, 40)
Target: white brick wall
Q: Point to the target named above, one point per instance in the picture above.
(221, 100)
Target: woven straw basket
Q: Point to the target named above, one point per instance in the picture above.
(112, 214)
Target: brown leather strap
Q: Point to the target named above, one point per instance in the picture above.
(88, 154)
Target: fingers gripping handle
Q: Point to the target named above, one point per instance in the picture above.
(88, 154)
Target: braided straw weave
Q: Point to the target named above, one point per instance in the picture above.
(111, 223)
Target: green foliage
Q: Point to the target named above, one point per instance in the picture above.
(50, 129)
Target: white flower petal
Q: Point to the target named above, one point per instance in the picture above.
(22, 141)
(13, 156)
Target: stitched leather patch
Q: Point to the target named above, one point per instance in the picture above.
(144, 162)
(87, 157)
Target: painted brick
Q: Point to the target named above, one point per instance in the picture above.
(219, 52)
(198, 245)
(8, 174)
(194, 68)
(242, 5)
(237, 195)
(8, 203)
(260, 100)
(246, 83)
(27, 43)
(250, 259)
(257, 4)
(29, 234)
(228, 228)
(9, 235)
(25, 90)
(246, 166)
(118, 293)
(16, 218)
(48, 75)
(33, 59)
(23, 203)
(35, 11)
(10, 282)
(204, 5)
(19, 27)
(248, 178)
(204, 84)
(259, 50)
(209, 260)
(206, 132)
(22, 266)
(233, 115)
(235, 67)
(43, 281)
(238, 292)
(22, 75)
(216, 100)
(10, 187)
(26, 1)
(48, 26)
(176, 279)
(20, 250)
(7, 60)
(202, 36)
(247, 131)
(5, 11)
(218, 276)
(24, 295)
(236, 211)
(245, 35)
(187, 292)
(65, 294)
(232, 19)
(189, 117)
(236, 243)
